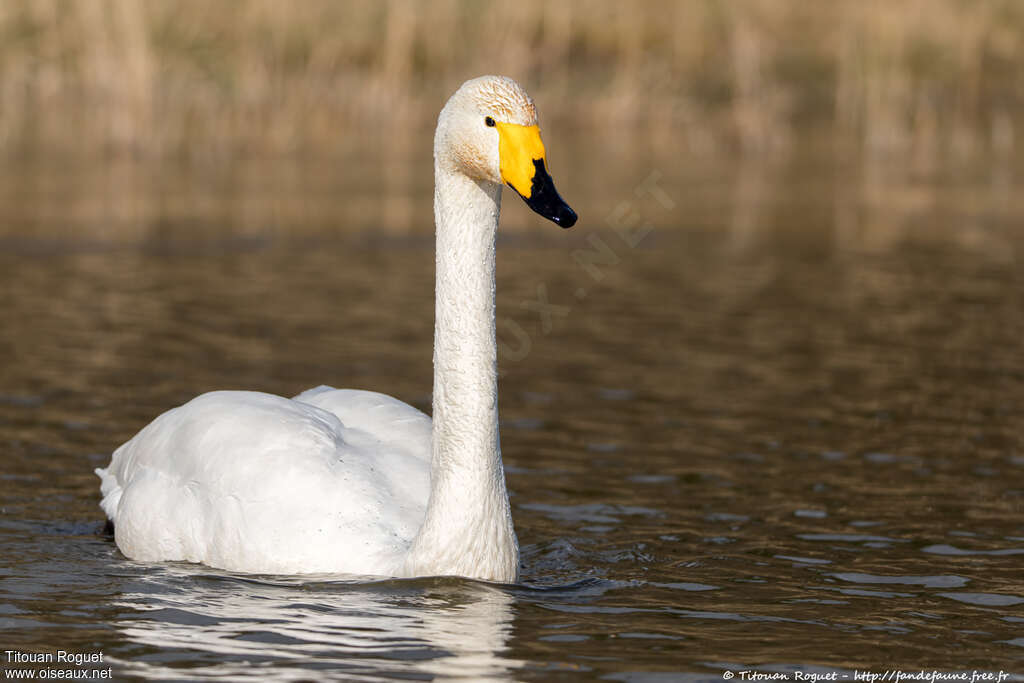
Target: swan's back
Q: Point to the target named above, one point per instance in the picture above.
(331, 481)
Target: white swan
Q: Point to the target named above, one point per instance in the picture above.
(346, 481)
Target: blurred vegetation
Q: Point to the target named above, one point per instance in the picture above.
(158, 119)
(266, 77)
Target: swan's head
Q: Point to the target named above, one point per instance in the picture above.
(488, 131)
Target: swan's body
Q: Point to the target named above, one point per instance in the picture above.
(217, 481)
(346, 481)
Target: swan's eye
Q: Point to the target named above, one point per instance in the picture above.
(489, 121)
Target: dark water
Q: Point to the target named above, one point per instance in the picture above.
(743, 443)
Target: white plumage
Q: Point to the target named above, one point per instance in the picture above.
(255, 482)
(356, 482)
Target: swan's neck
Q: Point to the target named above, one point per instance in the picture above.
(467, 530)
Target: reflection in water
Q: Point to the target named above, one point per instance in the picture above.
(383, 186)
(216, 625)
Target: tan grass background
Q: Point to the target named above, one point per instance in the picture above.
(195, 78)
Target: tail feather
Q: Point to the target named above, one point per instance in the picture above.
(111, 490)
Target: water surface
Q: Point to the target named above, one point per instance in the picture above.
(754, 439)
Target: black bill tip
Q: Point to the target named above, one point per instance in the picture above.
(545, 200)
(565, 217)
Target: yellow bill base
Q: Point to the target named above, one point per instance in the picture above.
(518, 147)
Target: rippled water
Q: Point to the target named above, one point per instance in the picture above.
(725, 450)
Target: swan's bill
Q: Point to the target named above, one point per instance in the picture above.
(523, 168)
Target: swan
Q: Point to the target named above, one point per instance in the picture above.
(345, 481)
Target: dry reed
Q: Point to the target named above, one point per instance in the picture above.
(190, 78)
